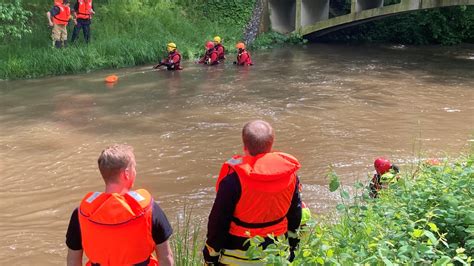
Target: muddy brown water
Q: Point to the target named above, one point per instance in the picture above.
(329, 104)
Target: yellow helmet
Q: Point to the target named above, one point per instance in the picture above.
(171, 47)
(217, 39)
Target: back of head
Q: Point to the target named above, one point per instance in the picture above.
(258, 137)
(114, 159)
(217, 39)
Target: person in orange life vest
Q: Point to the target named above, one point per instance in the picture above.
(172, 62)
(243, 57)
(381, 166)
(58, 18)
(210, 57)
(119, 226)
(257, 195)
(83, 12)
(219, 48)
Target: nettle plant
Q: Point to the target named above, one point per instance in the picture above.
(426, 218)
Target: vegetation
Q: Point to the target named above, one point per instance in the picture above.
(124, 33)
(13, 21)
(187, 241)
(427, 217)
(445, 26)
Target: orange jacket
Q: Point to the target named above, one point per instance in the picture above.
(268, 182)
(116, 229)
(62, 18)
(85, 7)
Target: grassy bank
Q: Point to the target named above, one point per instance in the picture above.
(426, 218)
(124, 33)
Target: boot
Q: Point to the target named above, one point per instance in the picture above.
(57, 44)
(64, 44)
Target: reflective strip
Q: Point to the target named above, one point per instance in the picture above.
(238, 257)
(136, 196)
(234, 161)
(93, 197)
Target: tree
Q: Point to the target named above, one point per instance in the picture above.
(13, 21)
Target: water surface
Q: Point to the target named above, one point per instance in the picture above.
(329, 104)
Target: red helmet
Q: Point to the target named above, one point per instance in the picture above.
(382, 165)
(209, 45)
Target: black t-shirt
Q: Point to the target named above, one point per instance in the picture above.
(161, 229)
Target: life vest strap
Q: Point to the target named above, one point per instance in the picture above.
(143, 263)
(239, 222)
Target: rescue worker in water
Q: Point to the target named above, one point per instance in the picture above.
(119, 226)
(173, 61)
(211, 57)
(220, 49)
(243, 56)
(257, 195)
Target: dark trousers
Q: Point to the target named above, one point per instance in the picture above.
(85, 30)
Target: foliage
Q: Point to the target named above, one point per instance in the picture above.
(427, 217)
(13, 21)
(445, 26)
(235, 13)
(272, 39)
(186, 241)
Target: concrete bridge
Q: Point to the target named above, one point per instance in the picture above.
(312, 16)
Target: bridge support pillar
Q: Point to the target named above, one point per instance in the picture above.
(359, 5)
(282, 15)
(313, 11)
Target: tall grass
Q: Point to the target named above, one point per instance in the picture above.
(124, 33)
(187, 241)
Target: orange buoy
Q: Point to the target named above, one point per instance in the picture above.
(111, 79)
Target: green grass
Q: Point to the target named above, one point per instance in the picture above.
(187, 241)
(124, 33)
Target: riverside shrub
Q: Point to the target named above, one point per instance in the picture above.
(427, 217)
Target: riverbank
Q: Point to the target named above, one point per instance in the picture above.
(427, 217)
(124, 33)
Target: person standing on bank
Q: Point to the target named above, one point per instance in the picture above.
(119, 226)
(83, 12)
(257, 195)
(58, 18)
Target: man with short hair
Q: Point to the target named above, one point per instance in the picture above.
(257, 195)
(119, 226)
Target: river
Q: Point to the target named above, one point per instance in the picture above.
(339, 105)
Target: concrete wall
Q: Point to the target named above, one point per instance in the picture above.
(367, 4)
(313, 11)
(282, 15)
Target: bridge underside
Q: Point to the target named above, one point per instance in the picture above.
(312, 16)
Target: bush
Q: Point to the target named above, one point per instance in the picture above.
(427, 217)
(13, 21)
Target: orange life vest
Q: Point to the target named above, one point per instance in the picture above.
(62, 18)
(85, 7)
(116, 229)
(268, 183)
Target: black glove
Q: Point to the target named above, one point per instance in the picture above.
(293, 242)
(210, 260)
